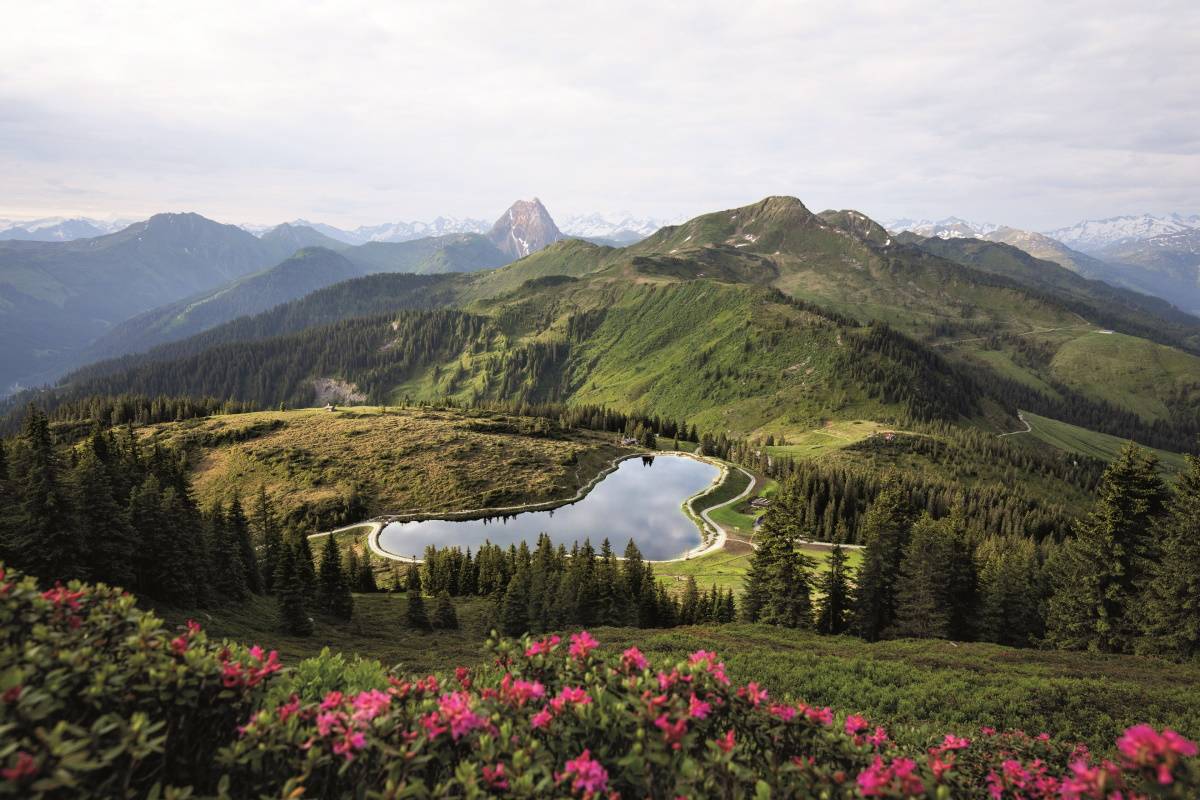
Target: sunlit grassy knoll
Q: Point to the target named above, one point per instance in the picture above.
(833, 435)
(391, 459)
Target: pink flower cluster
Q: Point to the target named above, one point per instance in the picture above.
(236, 675)
(542, 647)
(889, 778)
(586, 775)
(455, 712)
(632, 660)
(582, 644)
(568, 696)
(1143, 748)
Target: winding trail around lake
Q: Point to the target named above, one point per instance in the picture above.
(713, 535)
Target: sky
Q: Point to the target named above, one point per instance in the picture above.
(1032, 114)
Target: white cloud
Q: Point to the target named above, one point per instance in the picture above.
(1035, 114)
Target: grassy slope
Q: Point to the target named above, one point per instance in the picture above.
(400, 459)
(1074, 439)
(1127, 371)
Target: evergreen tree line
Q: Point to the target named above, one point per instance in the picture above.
(1126, 579)
(111, 411)
(550, 588)
(919, 577)
(831, 502)
(114, 510)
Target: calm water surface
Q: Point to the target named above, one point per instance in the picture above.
(639, 501)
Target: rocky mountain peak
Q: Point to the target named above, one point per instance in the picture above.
(524, 228)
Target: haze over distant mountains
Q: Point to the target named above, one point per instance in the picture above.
(1156, 255)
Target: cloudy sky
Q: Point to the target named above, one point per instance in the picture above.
(1033, 114)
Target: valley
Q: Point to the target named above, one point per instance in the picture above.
(861, 464)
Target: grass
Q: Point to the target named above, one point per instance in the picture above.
(393, 459)
(1129, 372)
(1074, 439)
(920, 688)
(833, 435)
(727, 567)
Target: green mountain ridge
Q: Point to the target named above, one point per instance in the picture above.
(745, 320)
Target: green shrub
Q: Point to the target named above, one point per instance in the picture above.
(100, 700)
(313, 678)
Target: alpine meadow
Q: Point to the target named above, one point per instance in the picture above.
(715, 496)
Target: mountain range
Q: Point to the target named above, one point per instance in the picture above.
(1157, 255)
(57, 229)
(763, 320)
(66, 303)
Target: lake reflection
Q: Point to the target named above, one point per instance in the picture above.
(640, 501)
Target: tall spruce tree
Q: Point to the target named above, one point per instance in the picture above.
(290, 594)
(514, 608)
(612, 597)
(306, 565)
(444, 616)
(1098, 574)
(833, 610)
(778, 588)
(689, 604)
(1169, 610)
(333, 587)
(266, 533)
(365, 580)
(416, 614)
(922, 591)
(885, 531)
(48, 543)
(1009, 590)
(228, 570)
(239, 530)
(113, 548)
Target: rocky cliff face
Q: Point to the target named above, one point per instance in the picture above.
(525, 228)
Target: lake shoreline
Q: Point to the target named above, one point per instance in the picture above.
(710, 540)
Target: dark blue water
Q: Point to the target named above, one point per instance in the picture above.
(638, 501)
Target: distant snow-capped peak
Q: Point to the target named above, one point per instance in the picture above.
(1097, 234)
(611, 226)
(948, 228)
(59, 229)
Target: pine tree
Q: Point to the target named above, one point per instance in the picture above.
(228, 569)
(833, 611)
(1009, 591)
(106, 523)
(306, 566)
(239, 530)
(922, 607)
(885, 530)
(417, 616)
(365, 581)
(265, 529)
(728, 608)
(689, 605)
(612, 597)
(514, 608)
(1169, 611)
(648, 599)
(290, 595)
(444, 616)
(47, 543)
(1099, 573)
(333, 587)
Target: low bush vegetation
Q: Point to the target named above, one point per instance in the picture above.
(100, 700)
